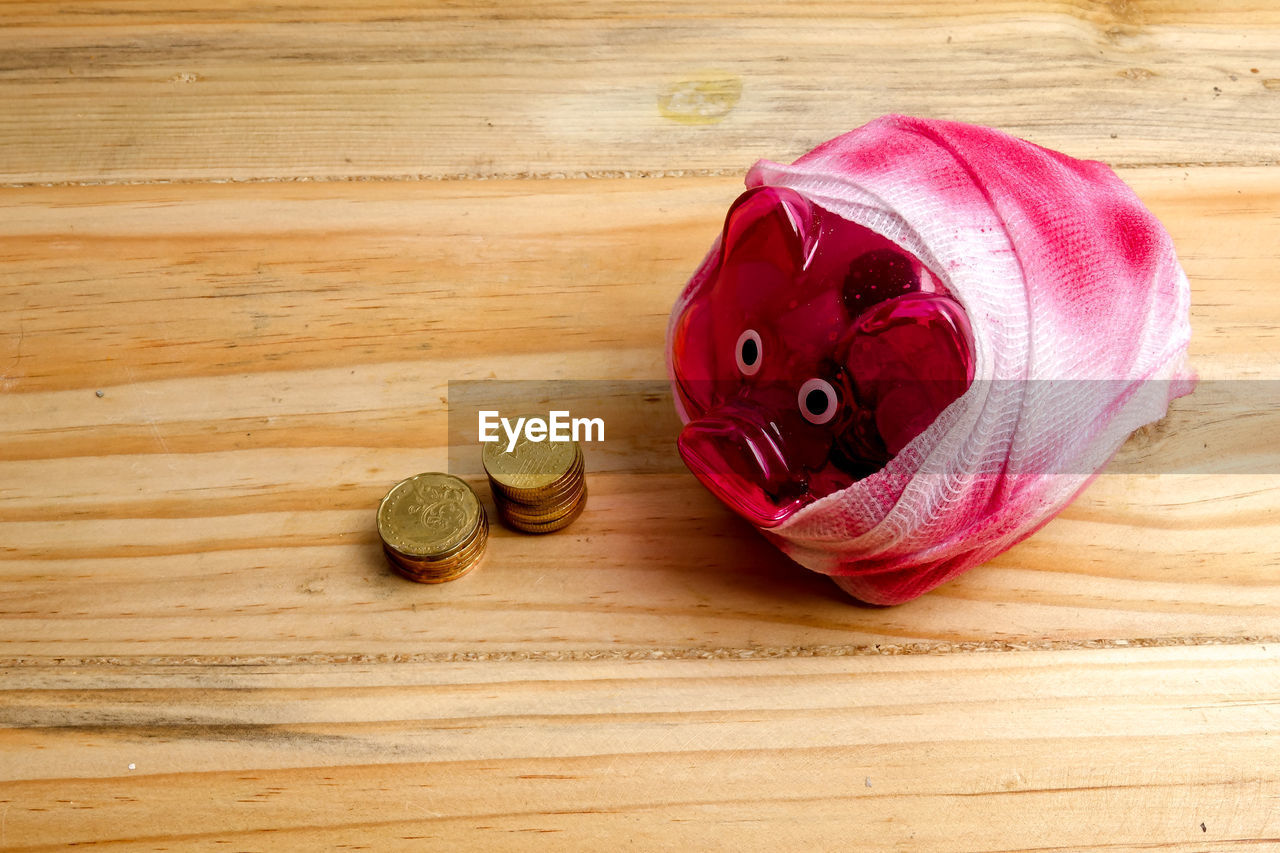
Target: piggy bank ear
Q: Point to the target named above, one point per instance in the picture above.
(769, 231)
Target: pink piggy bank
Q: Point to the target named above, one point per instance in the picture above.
(812, 354)
(912, 347)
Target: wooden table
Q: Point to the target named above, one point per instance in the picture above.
(243, 251)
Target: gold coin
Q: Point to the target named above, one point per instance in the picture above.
(544, 512)
(418, 575)
(441, 571)
(547, 527)
(429, 515)
(563, 485)
(449, 556)
(561, 495)
(445, 556)
(531, 465)
(564, 488)
(539, 487)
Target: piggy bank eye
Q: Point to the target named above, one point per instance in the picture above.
(818, 401)
(749, 352)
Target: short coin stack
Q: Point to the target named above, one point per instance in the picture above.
(538, 487)
(433, 528)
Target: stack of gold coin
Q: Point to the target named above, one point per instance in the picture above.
(538, 487)
(433, 528)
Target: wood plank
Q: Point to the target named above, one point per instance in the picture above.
(1122, 749)
(274, 356)
(142, 91)
(691, 581)
(509, 278)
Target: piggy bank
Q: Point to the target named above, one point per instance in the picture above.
(912, 347)
(811, 353)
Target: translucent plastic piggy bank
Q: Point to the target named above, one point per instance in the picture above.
(812, 354)
(912, 347)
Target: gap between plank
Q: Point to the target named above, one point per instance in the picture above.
(671, 654)
(603, 174)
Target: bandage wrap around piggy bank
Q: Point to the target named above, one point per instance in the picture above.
(888, 362)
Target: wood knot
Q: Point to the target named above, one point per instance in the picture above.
(705, 98)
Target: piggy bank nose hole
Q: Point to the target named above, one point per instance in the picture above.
(818, 401)
(749, 352)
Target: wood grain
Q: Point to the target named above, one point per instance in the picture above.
(464, 278)
(1136, 749)
(244, 251)
(145, 91)
(273, 357)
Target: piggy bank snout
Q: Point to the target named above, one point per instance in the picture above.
(738, 454)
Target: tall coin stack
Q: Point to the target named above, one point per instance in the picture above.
(538, 487)
(433, 528)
